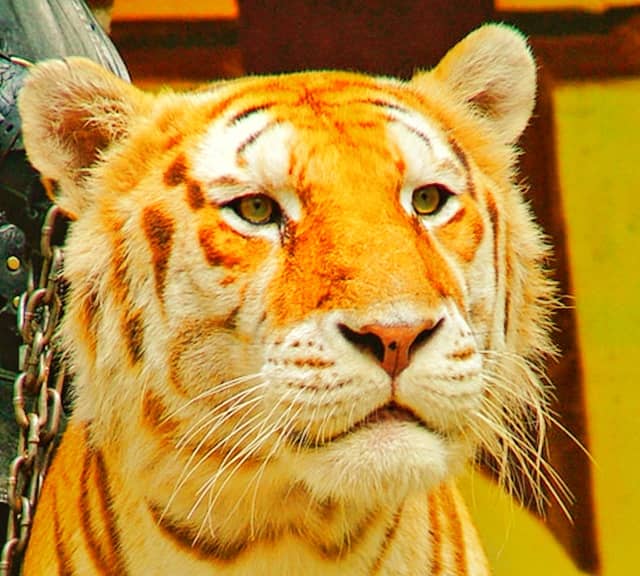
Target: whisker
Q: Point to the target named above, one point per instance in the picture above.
(189, 470)
(216, 389)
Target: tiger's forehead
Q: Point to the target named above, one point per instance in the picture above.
(326, 121)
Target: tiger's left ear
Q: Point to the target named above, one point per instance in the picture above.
(492, 71)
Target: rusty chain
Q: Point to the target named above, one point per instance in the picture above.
(36, 396)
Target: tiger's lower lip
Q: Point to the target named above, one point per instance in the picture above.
(390, 412)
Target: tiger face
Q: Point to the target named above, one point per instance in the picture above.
(323, 285)
(346, 281)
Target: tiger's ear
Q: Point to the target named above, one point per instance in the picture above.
(491, 70)
(72, 110)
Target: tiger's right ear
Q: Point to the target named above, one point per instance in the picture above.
(72, 111)
(492, 72)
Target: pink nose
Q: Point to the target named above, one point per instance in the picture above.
(392, 345)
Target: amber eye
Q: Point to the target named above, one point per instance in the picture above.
(257, 209)
(429, 199)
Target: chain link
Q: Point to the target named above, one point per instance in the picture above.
(37, 395)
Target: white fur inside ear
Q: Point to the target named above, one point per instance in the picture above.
(493, 71)
(71, 111)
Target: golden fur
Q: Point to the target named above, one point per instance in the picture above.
(299, 304)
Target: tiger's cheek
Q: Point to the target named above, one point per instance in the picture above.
(463, 234)
(227, 250)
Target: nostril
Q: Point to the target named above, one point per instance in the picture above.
(424, 336)
(364, 341)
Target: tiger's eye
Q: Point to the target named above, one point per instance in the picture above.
(428, 199)
(257, 209)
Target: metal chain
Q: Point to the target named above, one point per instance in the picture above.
(36, 396)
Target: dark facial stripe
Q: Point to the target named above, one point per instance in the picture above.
(154, 415)
(435, 534)
(210, 548)
(65, 566)
(350, 540)
(249, 112)
(133, 329)
(111, 532)
(388, 106)
(102, 549)
(462, 157)
(85, 508)
(384, 105)
(389, 537)
(413, 130)
(456, 537)
(213, 253)
(498, 266)
(508, 280)
(159, 228)
(89, 312)
(130, 321)
(187, 538)
(177, 171)
(494, 217)
(251, 139)
(195, 195)
(119, 272)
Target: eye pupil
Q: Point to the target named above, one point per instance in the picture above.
(428, 199)
(256, 209)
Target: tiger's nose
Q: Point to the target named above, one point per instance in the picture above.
(391, 345)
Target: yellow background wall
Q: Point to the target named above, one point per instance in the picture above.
(599, 128)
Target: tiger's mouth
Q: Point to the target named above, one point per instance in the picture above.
(388, 413)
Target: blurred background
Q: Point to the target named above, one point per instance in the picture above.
(582, 163)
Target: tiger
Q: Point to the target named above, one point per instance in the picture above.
(298, 307)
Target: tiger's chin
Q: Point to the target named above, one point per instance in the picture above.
(381, 462)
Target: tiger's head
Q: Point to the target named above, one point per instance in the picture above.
(323, 280)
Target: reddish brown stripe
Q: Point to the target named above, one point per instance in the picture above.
(172, 141)
(464, 231)
(508, 280)
(350, 540)
(154, 415)
(213, 253)
(242, 148)
(435, 535)
(89, 319)
(177, 171)
(65, 566)
(159, 228)
(111, 532)
(459, 152)
(187, 538)
(86, 508)
(498, 267)
(195, 196)
(249, 111)
(494, 217)
(119, 271)
(456, 537)
(134, 334)
(389, 537)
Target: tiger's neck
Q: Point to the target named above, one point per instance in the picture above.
(255, 521)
